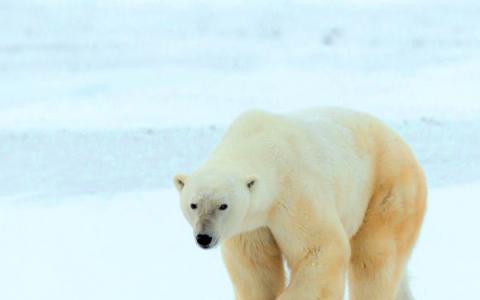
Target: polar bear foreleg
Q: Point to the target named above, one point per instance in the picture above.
(317, 250)
(255, 265)
(320, 275)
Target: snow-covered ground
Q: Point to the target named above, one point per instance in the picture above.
(102, 102)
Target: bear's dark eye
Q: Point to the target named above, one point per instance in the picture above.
(223, 207)
(193, 206)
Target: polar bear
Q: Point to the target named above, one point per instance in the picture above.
(330, 191)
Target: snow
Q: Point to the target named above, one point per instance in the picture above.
(102, 102)
(125, 246)
(445, 263)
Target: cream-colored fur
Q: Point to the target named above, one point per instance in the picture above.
(332, 191)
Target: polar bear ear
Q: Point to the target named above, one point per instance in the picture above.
(251, 182)
(179, 181)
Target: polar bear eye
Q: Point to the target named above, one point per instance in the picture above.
(223, 207)
(193, 206)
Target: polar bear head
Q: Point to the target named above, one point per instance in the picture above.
(215, 203)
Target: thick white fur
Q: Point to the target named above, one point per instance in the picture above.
(335, 192)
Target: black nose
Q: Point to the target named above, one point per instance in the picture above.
(204, 240)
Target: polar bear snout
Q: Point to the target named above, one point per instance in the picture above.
(204, 232)
(204, 240)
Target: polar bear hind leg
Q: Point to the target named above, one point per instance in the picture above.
(382, 246)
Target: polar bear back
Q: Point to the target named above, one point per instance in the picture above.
(337, 154)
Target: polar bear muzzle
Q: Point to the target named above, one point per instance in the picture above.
(205, 233)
